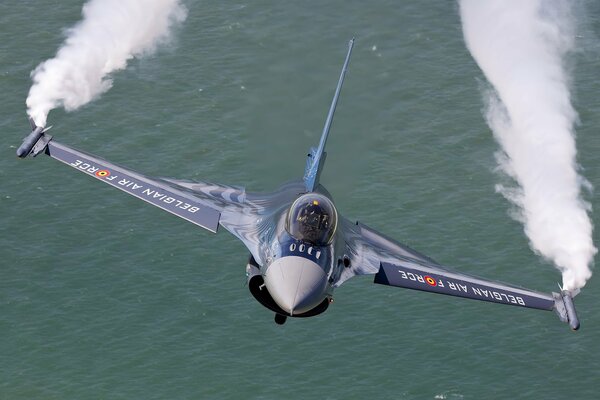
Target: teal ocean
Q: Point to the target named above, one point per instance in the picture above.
(104, 297)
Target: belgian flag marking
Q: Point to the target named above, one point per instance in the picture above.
(102, 173)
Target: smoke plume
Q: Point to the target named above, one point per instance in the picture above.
(521, 47)
(110, 33)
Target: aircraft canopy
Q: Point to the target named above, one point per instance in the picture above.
(312, 218)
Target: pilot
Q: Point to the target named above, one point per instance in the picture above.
(312, 220)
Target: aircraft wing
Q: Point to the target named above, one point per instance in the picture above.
(204, 204)
(414, 275)
(249, 217)
(202, 212)
(395, 264)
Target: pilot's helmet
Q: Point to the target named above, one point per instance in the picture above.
(312, 218)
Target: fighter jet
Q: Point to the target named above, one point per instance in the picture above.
(301, 248)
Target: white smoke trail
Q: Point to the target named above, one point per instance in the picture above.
(521, 47)
(110, 33)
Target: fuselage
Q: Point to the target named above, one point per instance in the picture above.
(297, 278)
(300, 262)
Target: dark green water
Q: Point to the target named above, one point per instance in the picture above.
(102, 297)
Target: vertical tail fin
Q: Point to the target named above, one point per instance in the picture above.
(316, 157)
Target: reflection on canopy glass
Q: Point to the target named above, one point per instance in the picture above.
(312, 218)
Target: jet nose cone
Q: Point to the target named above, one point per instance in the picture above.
(296, 284)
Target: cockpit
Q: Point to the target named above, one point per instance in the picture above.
(312, 218)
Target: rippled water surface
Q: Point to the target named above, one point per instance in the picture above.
(102, 297)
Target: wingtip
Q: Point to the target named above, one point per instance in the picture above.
(565, 308)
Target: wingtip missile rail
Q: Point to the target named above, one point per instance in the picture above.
(565, 308)
(570, 309)
(35, 142)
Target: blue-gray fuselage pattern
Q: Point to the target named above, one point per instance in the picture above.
(258, 220)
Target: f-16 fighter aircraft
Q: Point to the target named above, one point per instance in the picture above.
(300, 247)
